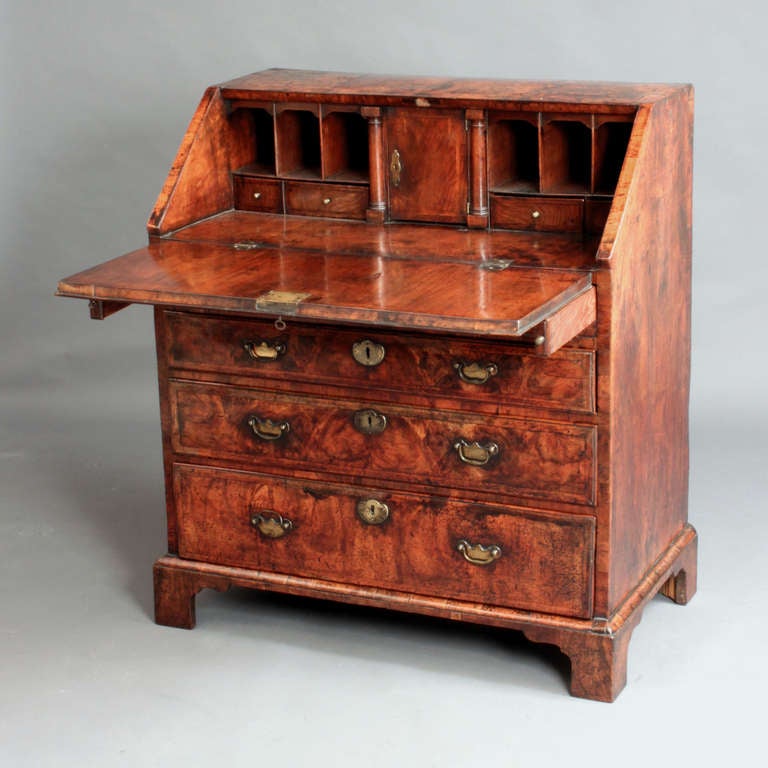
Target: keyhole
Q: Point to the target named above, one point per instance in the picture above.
(367, 351)
(371, 510)
(370, 420)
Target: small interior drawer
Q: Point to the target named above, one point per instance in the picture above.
(527, 559)
(540, 214)
(336, 200)
(255, 194)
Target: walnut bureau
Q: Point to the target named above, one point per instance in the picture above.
(423, 344)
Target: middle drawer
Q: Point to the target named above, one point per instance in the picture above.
(517, 457)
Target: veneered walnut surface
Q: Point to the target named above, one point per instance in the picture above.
(546, 560)
(409, 293)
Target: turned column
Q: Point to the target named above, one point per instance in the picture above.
(477, 216)
(377, 196)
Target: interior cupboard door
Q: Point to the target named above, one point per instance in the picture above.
(427, 164)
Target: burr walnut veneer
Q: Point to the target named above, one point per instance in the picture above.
(423, 344)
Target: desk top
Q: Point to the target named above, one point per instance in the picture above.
(409, 276)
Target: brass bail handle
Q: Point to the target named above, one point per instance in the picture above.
(476, 454)
(271, 525)
(395, 168)
(479, 554)
(266, 429)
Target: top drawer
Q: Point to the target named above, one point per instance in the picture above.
(403, 364)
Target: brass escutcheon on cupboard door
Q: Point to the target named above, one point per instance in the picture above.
(395, 168)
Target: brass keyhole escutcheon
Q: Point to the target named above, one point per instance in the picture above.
(395, 168)
(368, 353)
(369, 422)
(372, 511)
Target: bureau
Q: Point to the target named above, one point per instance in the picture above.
(423, 344)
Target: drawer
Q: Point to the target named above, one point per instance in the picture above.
(541, 214)
(336, 200)
(254, 194)
(500, 556)
(518, 457)
(407, 366)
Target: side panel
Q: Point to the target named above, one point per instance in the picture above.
(199, 182)
(650, 279)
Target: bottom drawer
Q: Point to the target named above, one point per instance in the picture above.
(431, 546)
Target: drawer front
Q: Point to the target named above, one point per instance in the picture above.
(494, 373)
(252, 194)
(540, 214)
(500, 556)
(336, 200)
(376, 440)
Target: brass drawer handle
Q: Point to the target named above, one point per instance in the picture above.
(372, 511)
(475, 453)
(256, 195)
(266, 429)
(368, 353)
(272, 526)
(479, 554)
(395, 168)
(369, 422)
(264, 349)
(326, 201)
(475, 373)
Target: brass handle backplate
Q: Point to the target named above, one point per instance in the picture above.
(265, 349)
(368, 353)
(479, 554)
(395, 168)
(266, 429)
(475, 453)
(369, 422)
(270, 525)
(475, 373)
(372, 511)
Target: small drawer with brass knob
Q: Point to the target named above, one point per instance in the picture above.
(341, 201)
(257, 194)
(539, 213)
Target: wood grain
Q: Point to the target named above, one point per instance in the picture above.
(536, 459)
(546, 560)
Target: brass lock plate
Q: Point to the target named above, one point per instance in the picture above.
(369, 422)
(372, 511)
(368, 353)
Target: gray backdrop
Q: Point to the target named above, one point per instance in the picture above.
(95, 99)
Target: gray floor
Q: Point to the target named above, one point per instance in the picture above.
(88, 679)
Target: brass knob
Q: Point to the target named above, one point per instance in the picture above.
(256, 195)
(326, 201)
(535, 214)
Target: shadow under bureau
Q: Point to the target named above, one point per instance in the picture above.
(423, 344)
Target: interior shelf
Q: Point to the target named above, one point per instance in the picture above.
(298, 144)
(514, 155)
(345, 147)
(611, 141)
(566, 157)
